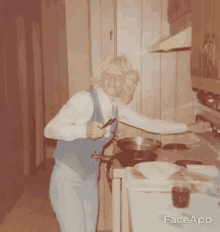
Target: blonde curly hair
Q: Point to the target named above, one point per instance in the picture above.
(122, 62)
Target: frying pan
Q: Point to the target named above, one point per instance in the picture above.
(134, 145)
(138, 144)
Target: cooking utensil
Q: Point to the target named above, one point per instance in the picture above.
(157, 170)
(138, 144)
(110, 122)
(175, 146)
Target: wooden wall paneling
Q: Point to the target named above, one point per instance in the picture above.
(129, 43)
(78, 45)
(216, 40)
(107, 25)
(151, 34)
(197, 38)
(107, 48)
(168, 90)
(31, 13)
(63, 68)
(48, 59)
(52, 82)
(165, 26)
(14, 130)
(96, 39)
(46, 47)
(3, 125)
(168, 77)
(38, 93)
(208, 24)
(185, 96)
(22, 75)
(55, 55)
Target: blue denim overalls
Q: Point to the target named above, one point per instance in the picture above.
(77, 155)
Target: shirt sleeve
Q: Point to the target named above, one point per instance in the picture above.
(130, 117)
(70, 122)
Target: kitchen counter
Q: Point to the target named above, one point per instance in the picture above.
(154, 212)
(198, 151)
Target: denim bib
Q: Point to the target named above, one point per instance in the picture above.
(77, 153)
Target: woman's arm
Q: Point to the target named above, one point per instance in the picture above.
(130, 117)
(78, 110)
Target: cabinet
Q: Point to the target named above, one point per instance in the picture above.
(205, 58)
(177, 8)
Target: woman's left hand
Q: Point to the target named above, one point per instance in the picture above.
(199, 127)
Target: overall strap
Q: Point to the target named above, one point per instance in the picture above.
(97, 113)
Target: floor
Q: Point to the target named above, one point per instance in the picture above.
(33, 212)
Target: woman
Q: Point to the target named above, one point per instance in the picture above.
(73, 187)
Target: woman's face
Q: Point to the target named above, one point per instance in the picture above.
(113, 81)
(129, 90)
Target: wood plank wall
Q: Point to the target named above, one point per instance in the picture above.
(38, 80)
(55, 72)
(11, 162)
(129, 43)
(177, 97)
(77, 29)
(22, 75)
(150, 76)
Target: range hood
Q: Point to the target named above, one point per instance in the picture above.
(181, 40)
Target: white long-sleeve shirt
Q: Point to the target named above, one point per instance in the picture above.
(70, 123)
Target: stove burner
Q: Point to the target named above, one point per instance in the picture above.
(175, 146)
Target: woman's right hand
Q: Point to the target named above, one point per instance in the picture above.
(94, 131)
